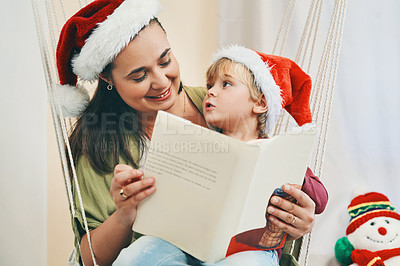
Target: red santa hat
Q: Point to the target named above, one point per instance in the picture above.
(282, 81)
(94, 36)
(367, 206)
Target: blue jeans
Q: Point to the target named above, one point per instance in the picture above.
(153, 251)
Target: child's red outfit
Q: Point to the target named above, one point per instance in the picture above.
(313, 187)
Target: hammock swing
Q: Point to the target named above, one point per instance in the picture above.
(295, 253)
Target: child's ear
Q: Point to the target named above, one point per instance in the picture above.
(260, 106)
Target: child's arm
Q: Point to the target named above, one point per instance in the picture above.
(314, 188)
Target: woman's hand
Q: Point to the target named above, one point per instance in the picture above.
(128, 189)
(115, 233)
(295, 219)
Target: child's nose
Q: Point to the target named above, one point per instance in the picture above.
(211, 92)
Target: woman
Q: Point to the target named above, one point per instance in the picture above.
(121, 44)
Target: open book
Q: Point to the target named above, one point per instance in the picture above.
(211, 187)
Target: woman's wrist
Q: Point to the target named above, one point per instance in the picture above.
(124, 220)
(108, 240)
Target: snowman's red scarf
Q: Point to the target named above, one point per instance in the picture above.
(388, 253)
(364, 257)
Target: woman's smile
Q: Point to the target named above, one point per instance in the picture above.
(161, 97)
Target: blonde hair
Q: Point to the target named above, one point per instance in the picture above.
(226, 66)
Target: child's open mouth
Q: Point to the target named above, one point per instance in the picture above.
(209, 106)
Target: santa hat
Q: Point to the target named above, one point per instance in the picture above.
(282, 81)
(95, 35)
(367, 206)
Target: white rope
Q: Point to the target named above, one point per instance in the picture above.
(289, 7)
(54, 12)
(52, 31)
(288, 27)
(329, 99)
(47, 69)
(285, 118)
(281, 27)
(314, 24)
(307, 241)
(340, 10)
(328, 103)
(303, 36)
(315, 35)
(77, 185)
(308, 33)
(315, 88)
(63, 10)
(288, 19)
(331, 50)
(321, 75)
(62, 137)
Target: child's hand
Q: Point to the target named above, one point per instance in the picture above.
(128, 189)
(295, 219)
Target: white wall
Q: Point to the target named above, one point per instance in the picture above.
(23, 139)
(192, 32)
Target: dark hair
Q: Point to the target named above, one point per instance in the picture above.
(108, 128)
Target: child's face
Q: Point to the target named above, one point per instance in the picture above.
(228, 104)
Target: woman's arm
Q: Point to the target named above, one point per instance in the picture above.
(107, 241)
(116, 232)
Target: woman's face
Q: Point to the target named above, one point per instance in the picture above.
(146, 73)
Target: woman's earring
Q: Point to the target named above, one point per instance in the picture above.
(109, 87)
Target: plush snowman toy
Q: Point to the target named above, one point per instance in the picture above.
(373, 234)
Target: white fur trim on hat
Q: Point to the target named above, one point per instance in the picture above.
(73, 99)
(112, 35)
(262, 76)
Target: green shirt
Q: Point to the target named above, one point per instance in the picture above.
(95, 187)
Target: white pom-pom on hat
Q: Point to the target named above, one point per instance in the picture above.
(73, 99)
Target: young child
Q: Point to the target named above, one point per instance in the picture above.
(246, 93)
(247, 89)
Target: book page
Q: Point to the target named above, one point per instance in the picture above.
(193, 167)
(234, 204)
(283, 159)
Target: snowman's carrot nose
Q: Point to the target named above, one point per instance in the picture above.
(382, 230)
